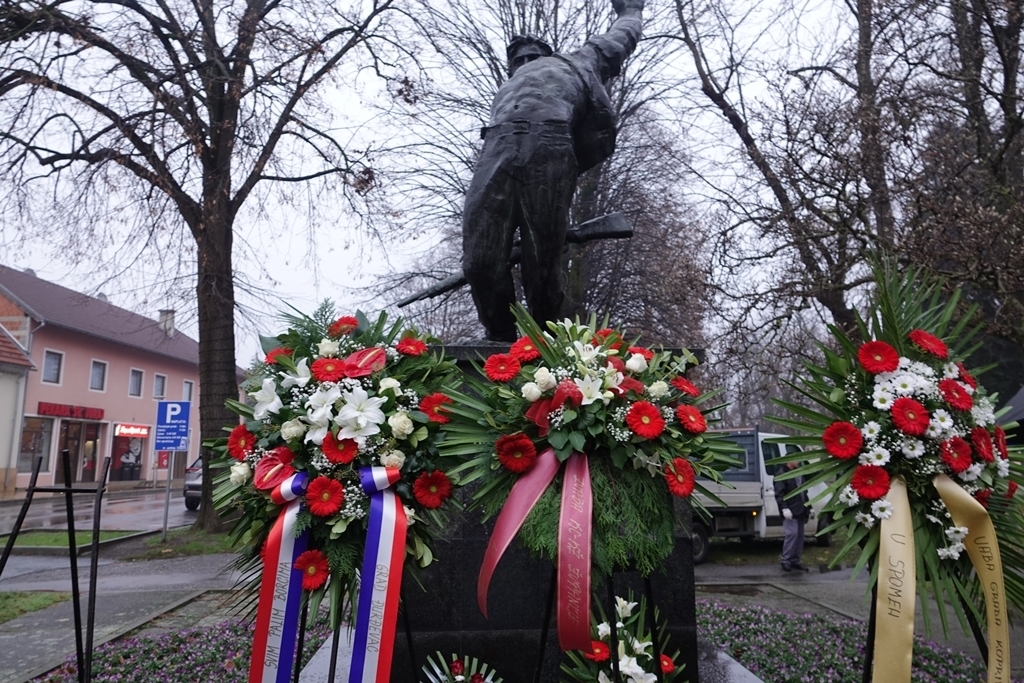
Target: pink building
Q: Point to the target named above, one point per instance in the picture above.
(98, 374)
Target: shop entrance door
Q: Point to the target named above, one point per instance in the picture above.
(90, 447)
(70, 439)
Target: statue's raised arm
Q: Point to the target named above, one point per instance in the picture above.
(612, 48)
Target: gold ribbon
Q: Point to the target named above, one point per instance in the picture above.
(983, 549)
(896, 594)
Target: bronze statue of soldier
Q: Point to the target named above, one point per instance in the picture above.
(550, 121)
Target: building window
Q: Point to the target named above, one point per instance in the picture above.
(159, 386)
(36, 434)
(186, 391)
(98, 376)
(135, 383)
(53, 361)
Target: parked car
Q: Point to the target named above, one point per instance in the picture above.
(750, 509)
(194, 484)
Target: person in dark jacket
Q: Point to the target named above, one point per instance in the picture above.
(549, 122)
(795, 512)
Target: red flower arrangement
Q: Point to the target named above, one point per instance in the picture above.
(955, 395)
(929, 343)
(516, 452)
(241, 442)
(909, 416)
(599, 652)
(684, 385)
(1000, 439)
(344, 325)
(324, 496)
(273, 468)
(983, 496)
(339, 451)
(328, 369)
(842, 440)
(608, 338)
(365, 362)
(432, 489)
(967, 377)
(871, 482)
(411, 346)
(680, 477)
(691, 419)
(956, 453)
(981, 439)
(566, 391)
(274, 354)
(524, 350)
(667, 665)
(645, 420)
(457, 667)
(433, 406)
(877, 356)
(501, 367)
(314, 568)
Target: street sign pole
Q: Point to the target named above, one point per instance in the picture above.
(167, 497)
(172, 418)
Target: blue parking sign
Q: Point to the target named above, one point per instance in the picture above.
(172, 419)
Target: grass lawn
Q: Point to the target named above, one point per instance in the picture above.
(182, 543)
(13, 605)
(59, 538)
(737, 552)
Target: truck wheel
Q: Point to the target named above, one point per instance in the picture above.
(825, 540)
(700, 543)
(191, 503)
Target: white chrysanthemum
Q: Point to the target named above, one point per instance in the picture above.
(1002, 468)
(876, 456)
(968, 388)
(983, 413)
(972, 472)
(943, 419)
(848, 496)
(882, 397)
(905, 384)
(658, 389)
(922, 369)
(933, 431)
(865, 519)
(912, 448)
(882, 509)
(956, 533)
(950, 371)
(871, 430)
(904, 363)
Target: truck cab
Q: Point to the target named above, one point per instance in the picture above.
(748, 492)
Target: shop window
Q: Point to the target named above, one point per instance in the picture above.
(53, 362)
(98, 376)
(36, 434)
(135, 382)
(186, 391)
(159, 386)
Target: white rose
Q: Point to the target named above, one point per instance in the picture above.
(389, 383)
(393, 459)
(240, 473)
(636, 363)
(327, 347)
(401, 425)
(531, 391)
(292, 429)
(658, 389)
(544, 379)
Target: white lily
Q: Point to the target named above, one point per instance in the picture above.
(623, 607)
(300, 378)
(585, 352)
(590, 387)
(603, 630)
(635, 673)
(323, 398)
(360, 416)
(267, 400)
(319, 424)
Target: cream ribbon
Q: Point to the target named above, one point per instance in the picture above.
(896, 594)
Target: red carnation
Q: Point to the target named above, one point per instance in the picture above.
(966, 376)
(477, 678)
(241, 442)
(842, 440)
(1004, 453)
(646, 353)
(599, 652)
(1011, 489)
(346, 324)
(433, 406)
(691, 419)
(645, 420)
(430, 490)
(328, 369)
(524, 350)
(909, 416)
(608, 338)
(684, 385)
(956, 453)
(538, 414)
(411, 346)
(982, 442)
(667, 665)
(877, 356)
(314, 568)
(339, 452)
(983, 496)
(273, 468)
(617, 363)
(680, 477)
(457, 667)
(516, 452)
(871, 482)
(929, 343)
(365, 362)
(324, 496)
(955, 395)
(274, 354)
(566, 391)
(501, 367)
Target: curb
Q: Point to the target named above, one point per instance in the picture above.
(62, 551)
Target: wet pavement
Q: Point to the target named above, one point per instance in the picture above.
(138, 512)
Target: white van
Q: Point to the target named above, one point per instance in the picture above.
(750, 509)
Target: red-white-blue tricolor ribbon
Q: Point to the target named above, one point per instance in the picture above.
(380, 580)
(277, 617)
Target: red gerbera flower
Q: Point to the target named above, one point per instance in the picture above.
(982, 442)
(324, 496)
(966, 376)
(411, 346)
(646, 353)
(346, 324)
(339, 452)
(983, 496)
(645, 420)
(609, 338)
(877, 356)
(314, 568)
(909, 416)
(956, 453)
(929, 343)
(684, 385)
(516, 452)
(1004, 453)
(680, 477)
(433, 406)
(842, 440)
(691, 419)
(241, 442)
(667, 665)
(328, 369)
(1011, 489)
(599, 652)
(274, 354)
(430, 490)
(524, 350)
(871, 482)
(955, 394)
(501, 367)
(457, 667)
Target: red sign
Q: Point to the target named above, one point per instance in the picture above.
(131, 430)
(77, 412)
(161, 459)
